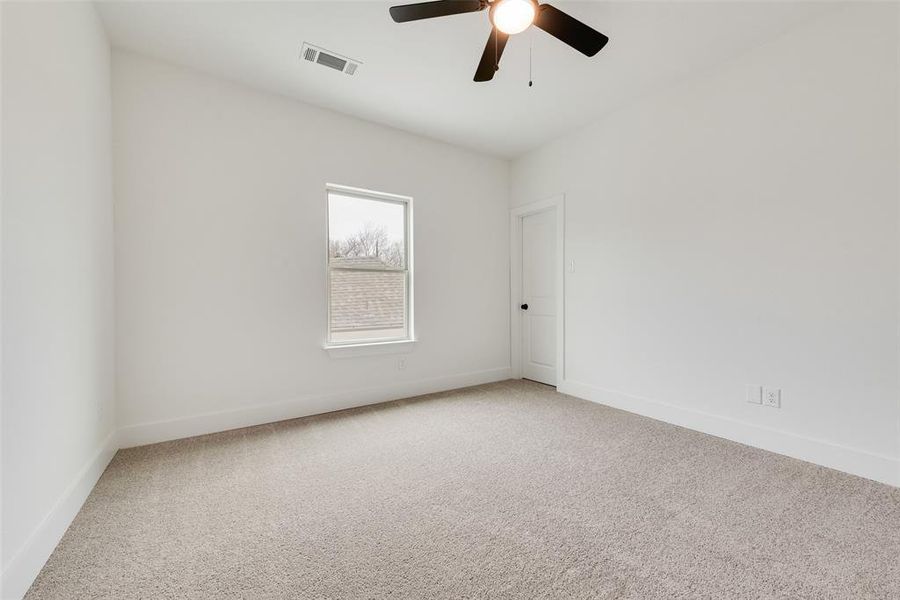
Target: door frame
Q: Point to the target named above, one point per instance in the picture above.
(556, 203)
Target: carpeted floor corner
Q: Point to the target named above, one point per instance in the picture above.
(507, 490)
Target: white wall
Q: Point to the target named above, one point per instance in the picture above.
(57, 288)
(220, 241)
(742, 228)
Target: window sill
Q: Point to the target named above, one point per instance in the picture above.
(369, 348)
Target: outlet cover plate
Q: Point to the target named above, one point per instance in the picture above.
(772, 397)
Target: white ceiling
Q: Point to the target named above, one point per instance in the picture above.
(418, 76)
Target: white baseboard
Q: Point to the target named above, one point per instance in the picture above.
(24, 566)
(161, 431)
(878, 467)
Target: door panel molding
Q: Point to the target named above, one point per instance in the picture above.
(558, 204)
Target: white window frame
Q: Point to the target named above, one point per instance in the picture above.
(374, 346)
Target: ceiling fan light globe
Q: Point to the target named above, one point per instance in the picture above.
(512, 16)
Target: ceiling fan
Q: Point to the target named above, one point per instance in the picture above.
(508, 17)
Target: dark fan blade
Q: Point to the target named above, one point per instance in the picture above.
(429, 10)
(586, 40)
(490, 58)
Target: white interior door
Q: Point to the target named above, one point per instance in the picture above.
(538, 306)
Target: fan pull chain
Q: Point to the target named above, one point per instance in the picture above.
(530, 48)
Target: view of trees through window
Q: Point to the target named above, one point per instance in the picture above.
(370, 241)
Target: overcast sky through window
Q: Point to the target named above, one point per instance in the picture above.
(348, 215)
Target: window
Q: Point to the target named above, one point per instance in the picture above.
(369, 267)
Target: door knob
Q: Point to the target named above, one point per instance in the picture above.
(524, 307)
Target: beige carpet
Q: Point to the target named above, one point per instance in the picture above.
(507, 490)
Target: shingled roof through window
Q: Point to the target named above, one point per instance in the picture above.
(371, 299)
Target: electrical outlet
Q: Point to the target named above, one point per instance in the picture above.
(570, 266)
(754, 394)
(772, 397)
(401, 364)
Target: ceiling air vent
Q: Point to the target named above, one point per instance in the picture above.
(327, 58)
